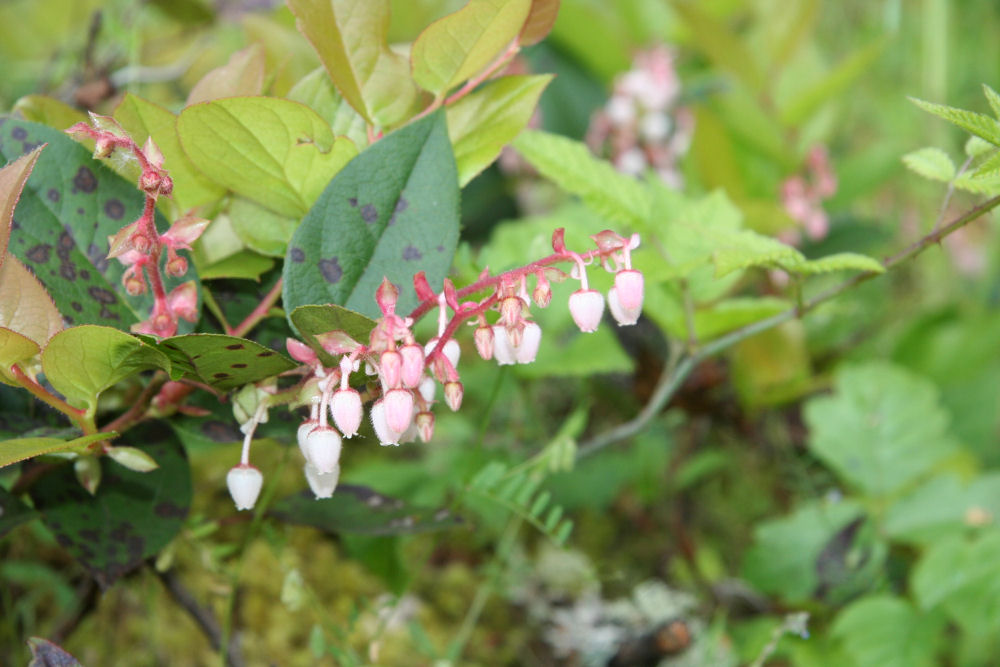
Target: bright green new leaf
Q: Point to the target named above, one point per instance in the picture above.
(132, 458)
(143, 119)
(743, 249)
(978, 124)
(317, 92)
(14, 348)
(886, 631)
(882, 428)
(976, 147)
(993, 98)
(278, 153)
(841, 261)
(571, 165)
(311, 321)
(243, 75)
(49, 111)
(83, 361)
(25, 306)
(245, 265)
(955, 565)
(539, 22)
(260, 228)
(943, 506)
(224, 362)
(350, 38)
(481, 124)
(12, 180)
(13, 451)
(460, 45)
(991, 165)
(932, 163)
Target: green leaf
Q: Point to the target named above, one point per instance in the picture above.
(882, 428)
(717, 41)
(49, 111)
(224, 362)
(317, 92)
(785, 555)
(730, 314)
(841, 261)
(993, 98)
(482, 123)
(12, 180)
(990, 165)
(808, 102)
(350, 38)
(83, 361)
(278, 153)
(241, 76)
(71, 204)
(13, 512)
(360, 510)
(943, 506)
(978, 124)
(932, 163)
(571, 166)
(14, 348)
(142, 119)
(540, 20)
(260, 228)
(245, 264)
(886, 631)
(462, 44)
(25, 307)
(13, 451)
(953, 567)
(743, 249)
(390, 213)
(976, 147)
(311, 321)
(132, 458)
(132, 516)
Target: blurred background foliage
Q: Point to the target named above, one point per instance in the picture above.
(756, 494)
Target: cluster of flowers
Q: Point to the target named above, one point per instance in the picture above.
(408, 372)
(643, 125)
(803, 195)
(139, 245)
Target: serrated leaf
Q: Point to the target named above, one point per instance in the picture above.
(976, 147)
(743, 249)
(393, 211)
(310, 321)
(482, 123)
(260, 228)
(841, 261)
(14, 348)
(978, 124)
(954, 566)
(278, 153)
(571, 165)
(224, 362)
(49, 111)
(83, 361)
(143, 119)
(985, 184)
(242, 75)
(20, 449)
(25, 307)
(993, 98)
(350, 38)
(943, 506)
(932, 163)
(990, 165)
(70, 205)
(882, 428)
(12, 180)
(540, 20)
(131, 517)
(360, 510)
(317, 92)
(886, 631)
(460, 45)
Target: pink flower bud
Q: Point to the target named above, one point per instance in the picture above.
(398, 409)
(453, 394)
(299, 351)
(425, 426)
(386, 296)
(586, 307)
(103, 148)
(413, 364)
(622, 315)
(392, 368)
(141, 243)
(183, 301)
(323, 448)
(300, 436)
(542, 294)
(484, 341)
(629, 286)
(134, 285)
(503, 352)
(510, 309)
(385, 435)
(531, 337)
(244, 482)
(149, 181)
(321, 484)
(166, 185)
(177, 267)
(514, 334)
(345, 406)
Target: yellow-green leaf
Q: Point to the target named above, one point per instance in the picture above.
(20, 449)
(14, 348)
(932, 163)
(242, 75)
(540, 21)
(25, 306)
(462, 44)
(842, 261)
(49, 111)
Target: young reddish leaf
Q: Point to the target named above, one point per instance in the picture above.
(462, 44)
(12, 180)
(350, 38)
(242, 75)
(540, 21)
(25, 306)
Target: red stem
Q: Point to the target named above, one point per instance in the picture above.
(258, 313)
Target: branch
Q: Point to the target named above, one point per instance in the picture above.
(202, 616)
(259, 313)
(671, 379)
(137, 412)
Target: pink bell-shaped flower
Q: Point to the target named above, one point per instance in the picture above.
(385, 435)
(392, 368)
(451, 350)
(484, 337)
(531, 337)
(323, 446)
(398, 405)
(244, 482)
(427, 389)
(453, 391)
(425, 425)
(322, 484)
(345, 407)
(413, 365)
(586, 306)
(503, 352)
(629, 286)
(623, 316)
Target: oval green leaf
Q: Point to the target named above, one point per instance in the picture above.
(224, 362)
(310, 321)
(13, 451)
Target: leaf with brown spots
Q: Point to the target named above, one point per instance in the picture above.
(224, 362)
(131, 517)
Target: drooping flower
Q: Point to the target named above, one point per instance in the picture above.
(244, 482)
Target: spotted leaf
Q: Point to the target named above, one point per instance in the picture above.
(224, 362)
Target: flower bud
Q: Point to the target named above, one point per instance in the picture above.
(629, 285)
(299, 351)
(514, 333)
(398, 409)
(345, 406)
(323, 448)
(322, 484)
(586, 307)
(135, 285)
(542, 294)
(451, 350)
(141, 243)
(301, 434)
(531, 337)
(244, 482)
(149, 181)
(392, 368)
(385, 435)
(510, 309)
(484, 341)
(425, 425)
(453, 394)
(177, 267)
(413, 365)
(166, 185)
(183, 301)
(503, 352)
(103, 148)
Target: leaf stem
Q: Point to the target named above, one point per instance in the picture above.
(258, 313)
(137, 412)
(672, 378)
(78, 416)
